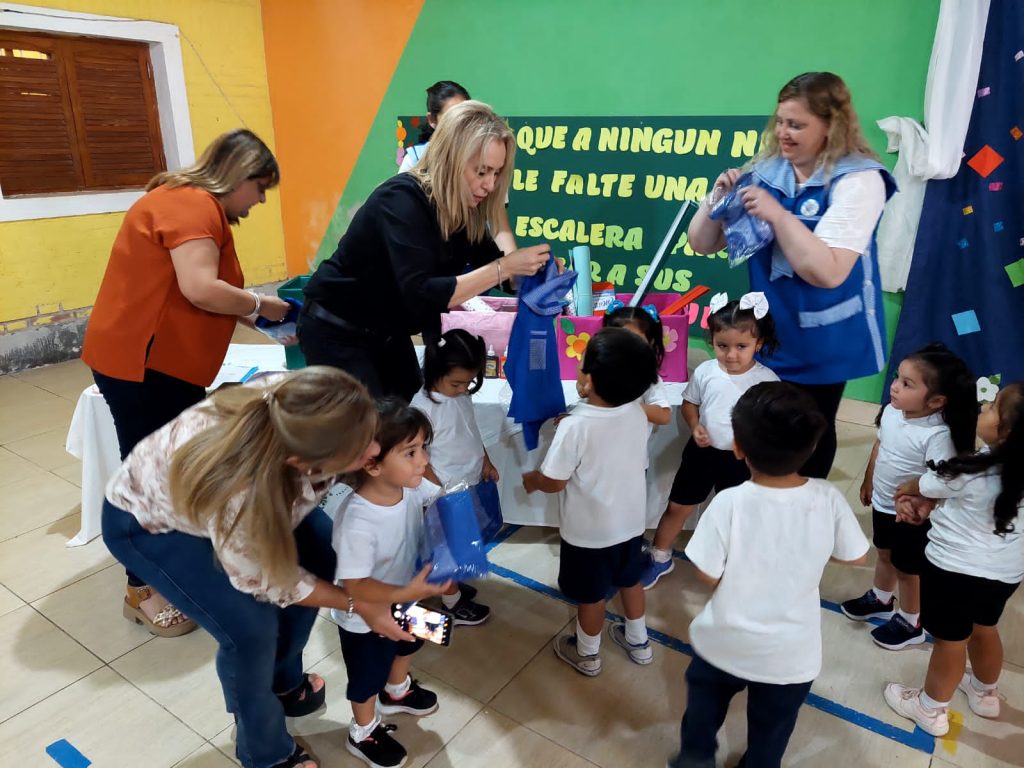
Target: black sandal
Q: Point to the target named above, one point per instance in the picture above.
(299, 756)
(303, 700)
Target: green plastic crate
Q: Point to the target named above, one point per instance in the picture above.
(292, 289)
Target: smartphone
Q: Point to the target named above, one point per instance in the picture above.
(432, 626)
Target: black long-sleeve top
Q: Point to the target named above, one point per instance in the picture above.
(393, 272)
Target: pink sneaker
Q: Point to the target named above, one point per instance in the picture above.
(983, 704)
(906, 702)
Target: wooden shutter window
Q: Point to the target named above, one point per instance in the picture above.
(76, 114)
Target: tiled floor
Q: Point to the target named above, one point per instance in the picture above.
(72, 668)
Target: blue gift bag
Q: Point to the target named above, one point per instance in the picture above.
(745, 234)
(452, 540)
(488, 509)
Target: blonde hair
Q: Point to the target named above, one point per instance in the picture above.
(827, 97)
(232, 158)
(314, 414)
(462, 134)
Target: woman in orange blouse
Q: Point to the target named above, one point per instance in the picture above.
(168, 304)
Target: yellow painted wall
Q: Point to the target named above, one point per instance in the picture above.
(49, 264)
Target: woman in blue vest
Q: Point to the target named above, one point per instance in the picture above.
(821, 187)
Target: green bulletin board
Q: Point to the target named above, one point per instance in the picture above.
(616, 184)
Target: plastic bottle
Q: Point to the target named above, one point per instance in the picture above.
(491, 363)
(501, 364)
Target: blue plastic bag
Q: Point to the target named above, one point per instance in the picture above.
(488, 509)
(452, 539)
(745, 234)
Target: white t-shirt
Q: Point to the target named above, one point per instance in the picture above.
(457, 450)
(856, 204)
(962, 537)
(602, 452)
(905, 446)
(715, 393)
(412, 156)
(769, 547)
(377, 542)
(655, 395)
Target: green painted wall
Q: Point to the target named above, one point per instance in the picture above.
(652, 57)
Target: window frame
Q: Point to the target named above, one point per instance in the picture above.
(172, 103)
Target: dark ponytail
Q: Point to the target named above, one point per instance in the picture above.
(946, 374)
(456, 348)
(437, 95)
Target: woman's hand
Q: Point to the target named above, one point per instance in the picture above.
(378, 617)
(526, 261)
(727, 180)
(273, 308)
(759, 202)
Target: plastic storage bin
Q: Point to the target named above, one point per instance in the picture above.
(292, 289)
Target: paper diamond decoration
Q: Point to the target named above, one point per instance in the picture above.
(1015, 272)
(1015, 132)
(968, 210)
(985, 161)
(966, 322)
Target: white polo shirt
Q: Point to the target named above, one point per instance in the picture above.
(769, 547)
(378, 542)
(602, 452)
(457, 450)
(905, 446)
(962, 537)
(715, 393)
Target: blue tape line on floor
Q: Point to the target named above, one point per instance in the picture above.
(916, 739)
(66, 756)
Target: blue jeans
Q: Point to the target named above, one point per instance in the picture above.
(261, 645)
(772, 710)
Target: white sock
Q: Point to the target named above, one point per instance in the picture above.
(931, 704)
(399, 690)
(360, 732)
(450, 601)
(587, 645)
(882, 595)
(636, 631)
(980, 687)
(912, 618)
(660, 555)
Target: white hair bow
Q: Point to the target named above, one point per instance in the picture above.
(756, 301)
(718, 301)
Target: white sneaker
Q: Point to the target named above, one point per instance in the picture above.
(906, 702)
(984, 704)
(638, 654)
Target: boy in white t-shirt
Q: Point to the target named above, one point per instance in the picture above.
(599, 458)
(376, 534)
(763, 546)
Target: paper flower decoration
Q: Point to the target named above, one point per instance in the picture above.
(987, 389)
(574, 345)
(671, 339)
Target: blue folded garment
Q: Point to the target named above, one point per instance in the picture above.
(745, 234)
(279, 329)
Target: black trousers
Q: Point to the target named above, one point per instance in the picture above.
(386, 365)
(827, 397)
(140, 408)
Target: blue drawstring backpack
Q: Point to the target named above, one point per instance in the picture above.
(745, 234)
(452, 539)
(532, 364)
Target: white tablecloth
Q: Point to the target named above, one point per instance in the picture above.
(92, 439)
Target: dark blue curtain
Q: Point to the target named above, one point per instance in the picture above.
(966, 282)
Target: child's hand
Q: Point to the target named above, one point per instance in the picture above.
(701, 436)
(419, 588)
(866, 489)
(558, 419)
(913, 510)
(490, 472)
(531, 481)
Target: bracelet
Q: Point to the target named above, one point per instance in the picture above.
(256, 312)
(351, 607)
(497, 264)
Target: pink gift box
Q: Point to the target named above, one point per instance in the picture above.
(573, 333)
(495, 327)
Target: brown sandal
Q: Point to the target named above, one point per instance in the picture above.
(169, 622)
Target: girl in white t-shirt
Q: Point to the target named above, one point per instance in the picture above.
(975, 562)
(376, 537)
(645, 323)
(737, 330)
(931, 417)
(453, 370)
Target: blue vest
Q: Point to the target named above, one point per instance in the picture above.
(826, 335)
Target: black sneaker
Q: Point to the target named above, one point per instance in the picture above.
(417, 701)
(897, 633)
(379, 750)
(868, 606)
(468, 591)
(467, 613)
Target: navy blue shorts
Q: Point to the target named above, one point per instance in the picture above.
(704, 469)
(905, 541)
(368, 658)
(588, 575)
(952, 603)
